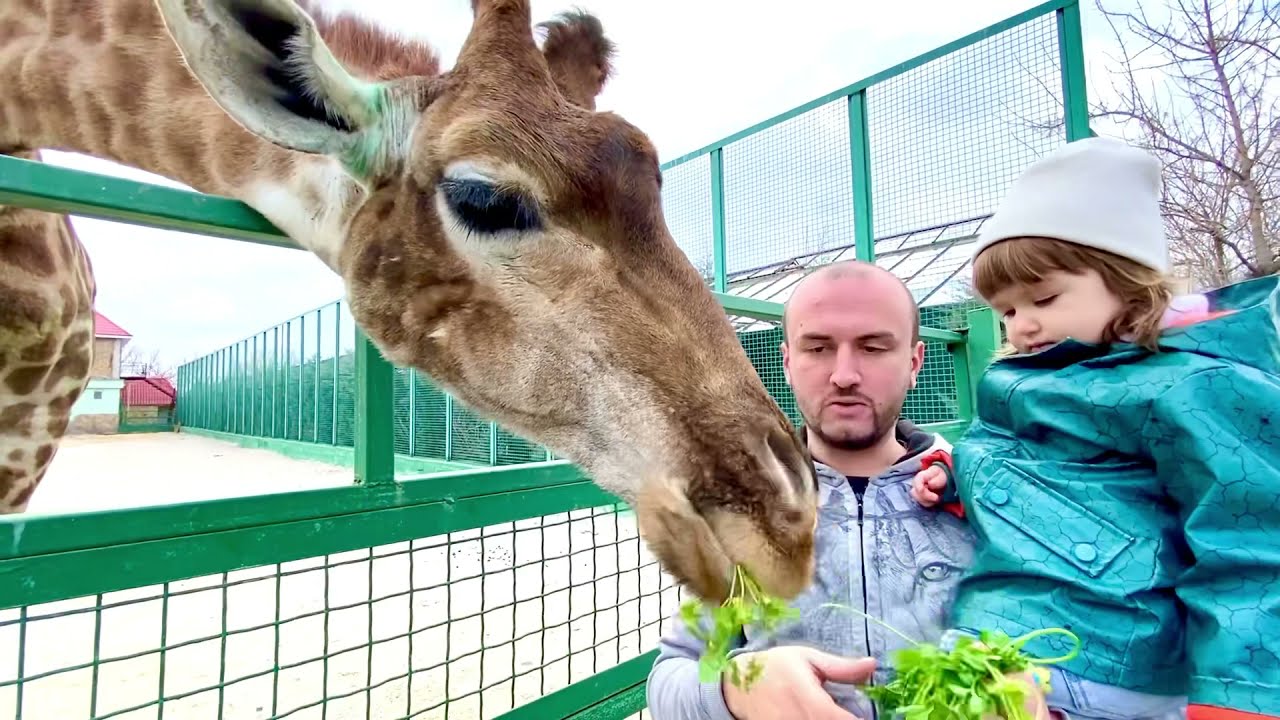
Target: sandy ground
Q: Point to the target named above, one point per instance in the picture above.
(488, 619)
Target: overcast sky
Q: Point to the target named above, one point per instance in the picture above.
(688, 73)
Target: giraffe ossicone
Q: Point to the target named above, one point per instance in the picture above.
(492, 228)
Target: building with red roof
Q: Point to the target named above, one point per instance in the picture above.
(97, 411)
(148, 391)
(109, 340)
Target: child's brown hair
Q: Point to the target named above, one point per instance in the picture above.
(1144, 291)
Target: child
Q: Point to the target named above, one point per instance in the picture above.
(1123, 473)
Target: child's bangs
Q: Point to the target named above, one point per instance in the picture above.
(1021, 261)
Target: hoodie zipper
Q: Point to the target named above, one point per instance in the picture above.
(862, 560)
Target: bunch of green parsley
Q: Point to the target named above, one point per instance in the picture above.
(977, 678)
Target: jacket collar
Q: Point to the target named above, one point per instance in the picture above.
(1246, 333)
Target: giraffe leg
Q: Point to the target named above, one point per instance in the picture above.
(46, 343)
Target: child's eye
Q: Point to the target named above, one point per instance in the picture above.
(1045, 301)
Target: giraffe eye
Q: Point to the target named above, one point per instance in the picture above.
(486, 208)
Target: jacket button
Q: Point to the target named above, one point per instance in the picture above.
(1085, 552)
(999, 496)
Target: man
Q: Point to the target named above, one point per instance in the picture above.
(851, 351)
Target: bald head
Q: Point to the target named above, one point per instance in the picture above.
(859, 277)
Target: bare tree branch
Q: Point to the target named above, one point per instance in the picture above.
(1198, 87)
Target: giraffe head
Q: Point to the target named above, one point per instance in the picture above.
(510, 242)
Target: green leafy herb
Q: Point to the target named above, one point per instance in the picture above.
(746, 605)
(976, 679)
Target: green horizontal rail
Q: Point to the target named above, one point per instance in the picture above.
(31, 536)
(399, 513)
(611, 694)
(886, 74)
(40, 186)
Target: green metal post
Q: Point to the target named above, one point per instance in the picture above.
(1075, 98)
(222, 389)
(238, 420)
(275, 375)
(255, 389)
(981, 345)
(315, 388)
(860, 157)
(413, 412)
(964, 387)
(288, 360)
(493, 444)
(718, 249)
(193, 402)
(302, 346)
(228, 390)
(238, 380)
(448, 427)
(375, 428)
(262, 386)
(337, 365)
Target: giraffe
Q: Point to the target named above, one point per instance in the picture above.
(492, 229)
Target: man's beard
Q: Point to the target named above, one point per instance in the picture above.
(883, 422)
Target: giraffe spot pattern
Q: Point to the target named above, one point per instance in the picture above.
(24, 380)
(16, 418)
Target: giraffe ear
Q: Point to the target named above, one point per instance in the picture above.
(579, 56)
(265, 64)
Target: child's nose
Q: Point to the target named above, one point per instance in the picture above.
(1025, 324)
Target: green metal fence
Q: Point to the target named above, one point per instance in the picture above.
(518, 591)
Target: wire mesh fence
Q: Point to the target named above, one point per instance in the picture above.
(460, 625)
(265, 386)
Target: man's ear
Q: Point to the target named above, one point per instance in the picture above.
(917, 362)
(786, 360)
(265, 64)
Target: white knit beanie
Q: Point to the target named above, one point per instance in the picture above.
(1098, 192)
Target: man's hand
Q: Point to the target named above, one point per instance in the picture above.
(790, 685)
(927, 484)
(1035, 702)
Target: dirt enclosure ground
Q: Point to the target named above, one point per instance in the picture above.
(489, 619)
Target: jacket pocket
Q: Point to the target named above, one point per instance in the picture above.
(1065, 528)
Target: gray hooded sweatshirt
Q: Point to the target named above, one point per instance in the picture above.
(877, 551)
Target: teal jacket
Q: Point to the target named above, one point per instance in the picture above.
(1134, 498)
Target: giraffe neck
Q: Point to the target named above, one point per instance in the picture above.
(103, 78)
(46, 343)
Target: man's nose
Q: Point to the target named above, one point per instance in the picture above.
(846, 372)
